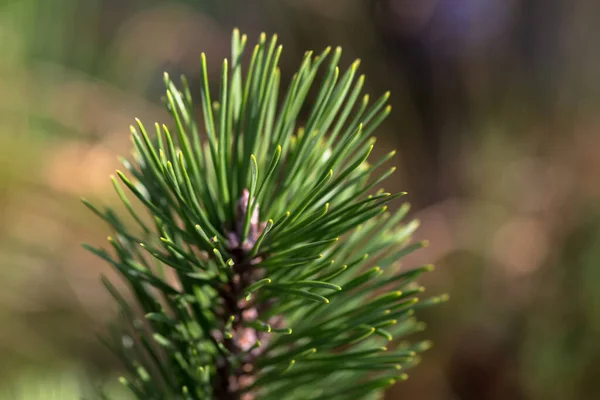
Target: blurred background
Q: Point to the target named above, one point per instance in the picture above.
(497, 129)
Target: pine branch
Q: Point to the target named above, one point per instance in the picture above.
(261, 265)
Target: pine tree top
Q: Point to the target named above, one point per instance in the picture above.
(261, 263)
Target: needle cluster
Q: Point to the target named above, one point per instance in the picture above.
(261, 259)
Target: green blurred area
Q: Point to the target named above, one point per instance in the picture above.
(498, 136)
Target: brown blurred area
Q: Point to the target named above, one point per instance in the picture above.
(497, 129)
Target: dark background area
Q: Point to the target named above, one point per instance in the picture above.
(497, 129)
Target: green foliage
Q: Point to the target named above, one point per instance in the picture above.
(64, 385)
(296, 298)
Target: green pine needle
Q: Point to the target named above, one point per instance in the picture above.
(262, 265)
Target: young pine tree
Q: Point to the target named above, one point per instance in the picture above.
(265, 266)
